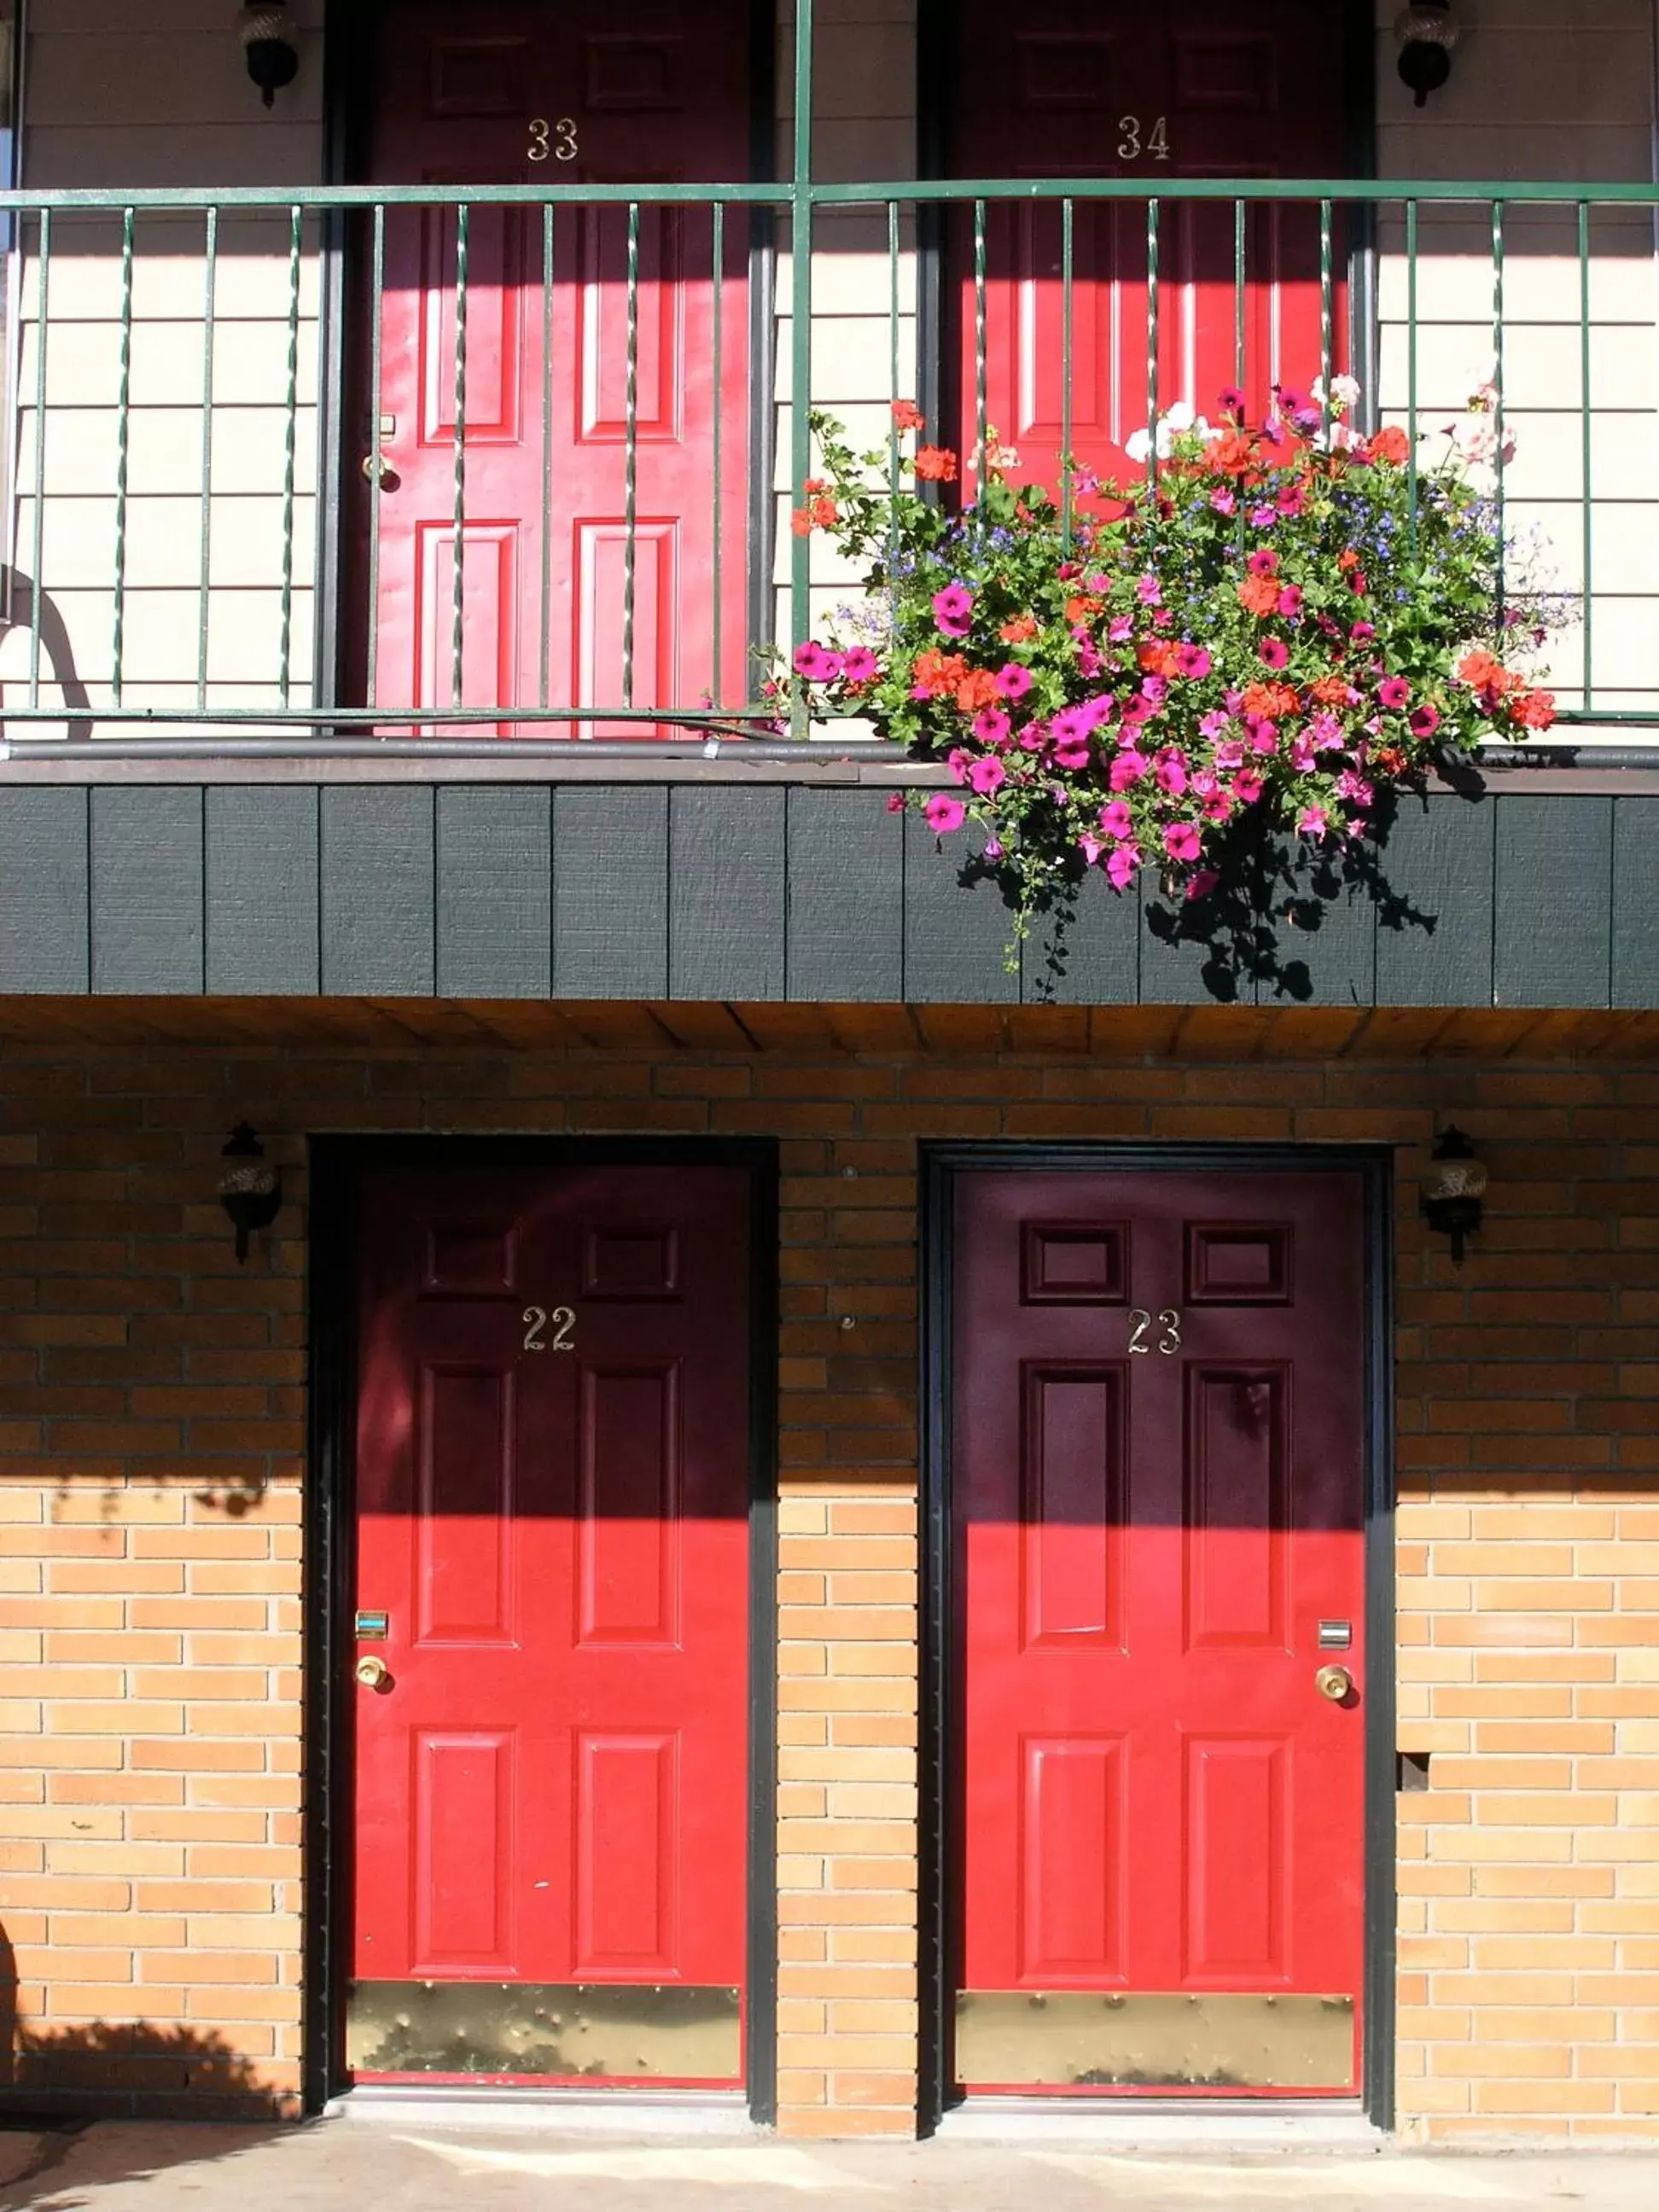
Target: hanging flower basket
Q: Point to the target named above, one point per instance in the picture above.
(1276, 623)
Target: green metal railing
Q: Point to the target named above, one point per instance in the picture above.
(84, 587)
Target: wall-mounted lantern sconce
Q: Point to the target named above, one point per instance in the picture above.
(1456, 1184)
(266, 31)
(250, 1189)
(1426, 34)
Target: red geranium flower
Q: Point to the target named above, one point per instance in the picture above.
(935, 465)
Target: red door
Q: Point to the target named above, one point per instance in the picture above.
(1157, 1471)
(1116, 88)
(551, 1616)
(583, 609)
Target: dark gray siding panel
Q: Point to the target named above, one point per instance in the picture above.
(494, 892)
(263, 917)
(146, 847)
(726, 892)
(610, 892)
(1553, 916)
(956, 927)
(846, 887)
(1090, 957)
(1318, 943)
(44, 943)
(377, 893)
(1435, 916)
(1635, 901)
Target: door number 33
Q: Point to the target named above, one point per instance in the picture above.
(552, 141)
(1169, 1321)
(536, 1318)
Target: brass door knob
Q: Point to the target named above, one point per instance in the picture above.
(371, 1672)
(388, 474)
(1335, 1683)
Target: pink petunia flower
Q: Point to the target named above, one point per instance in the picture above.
(1184, 840)
(988, 775)
(953, 609)
(1071, 753)
(1290, 601)
(944, 813)
(1171, 774)
(1273, 653)
(993, 849)
(1128, 769)
(958, 764)
(1193, 662)
(896, 802)
(1313, 821)
(1123, 865)
(1120, 628)
(1014, 680)
(992, 727)
(1115, 819)
(1263, 518)
(860, 665)
(1264, 561)
(1201, 884)
(1361, 631)
(1034, 737)
(1425, 721)
(1247, 787)
(1223, 500)
(1231, 400)
(1149, 591)
(1090, 848)
(817, 663)
(1393, 693)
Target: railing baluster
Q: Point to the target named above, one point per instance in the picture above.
(123, 432)
(1498, 387)
(210, 274)
(1241, 361)
(981, 401)
(893, 392)
(39, 517)
(1067, 274)
(289, 429)
(544, 653)
(1151, 338)
(1411, 371)
(1327, 314)
(716, 688)
(458, 603)
(1585, 417)
(631, 452)
(376, 367)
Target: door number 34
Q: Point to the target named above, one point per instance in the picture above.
(554, 141)
(536, 1318)
(1169, 1321)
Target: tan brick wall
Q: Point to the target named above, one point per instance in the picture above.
(151, 1408)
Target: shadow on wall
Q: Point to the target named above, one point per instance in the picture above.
(57, 663)
(52, 2078)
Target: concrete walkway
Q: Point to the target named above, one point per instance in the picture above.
(335, 2166)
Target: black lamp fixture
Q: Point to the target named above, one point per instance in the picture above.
(1457, 1185)
(266, 31)
(250, 1189)
(1426, 33)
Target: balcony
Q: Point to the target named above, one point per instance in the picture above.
(397, 572)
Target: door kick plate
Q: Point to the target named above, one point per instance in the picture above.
(630, 2029)
(1074, 2039)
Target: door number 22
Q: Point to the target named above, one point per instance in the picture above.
(564, 1319)
(554, 141)
(1169, 1320)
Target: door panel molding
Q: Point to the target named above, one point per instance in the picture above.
(941, 1930)
(336, 1165)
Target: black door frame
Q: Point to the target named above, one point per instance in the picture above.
(335, 1167)
(940, 1694)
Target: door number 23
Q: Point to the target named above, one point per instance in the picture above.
(536, 1318)
(1169, 1321)
(552, 141)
